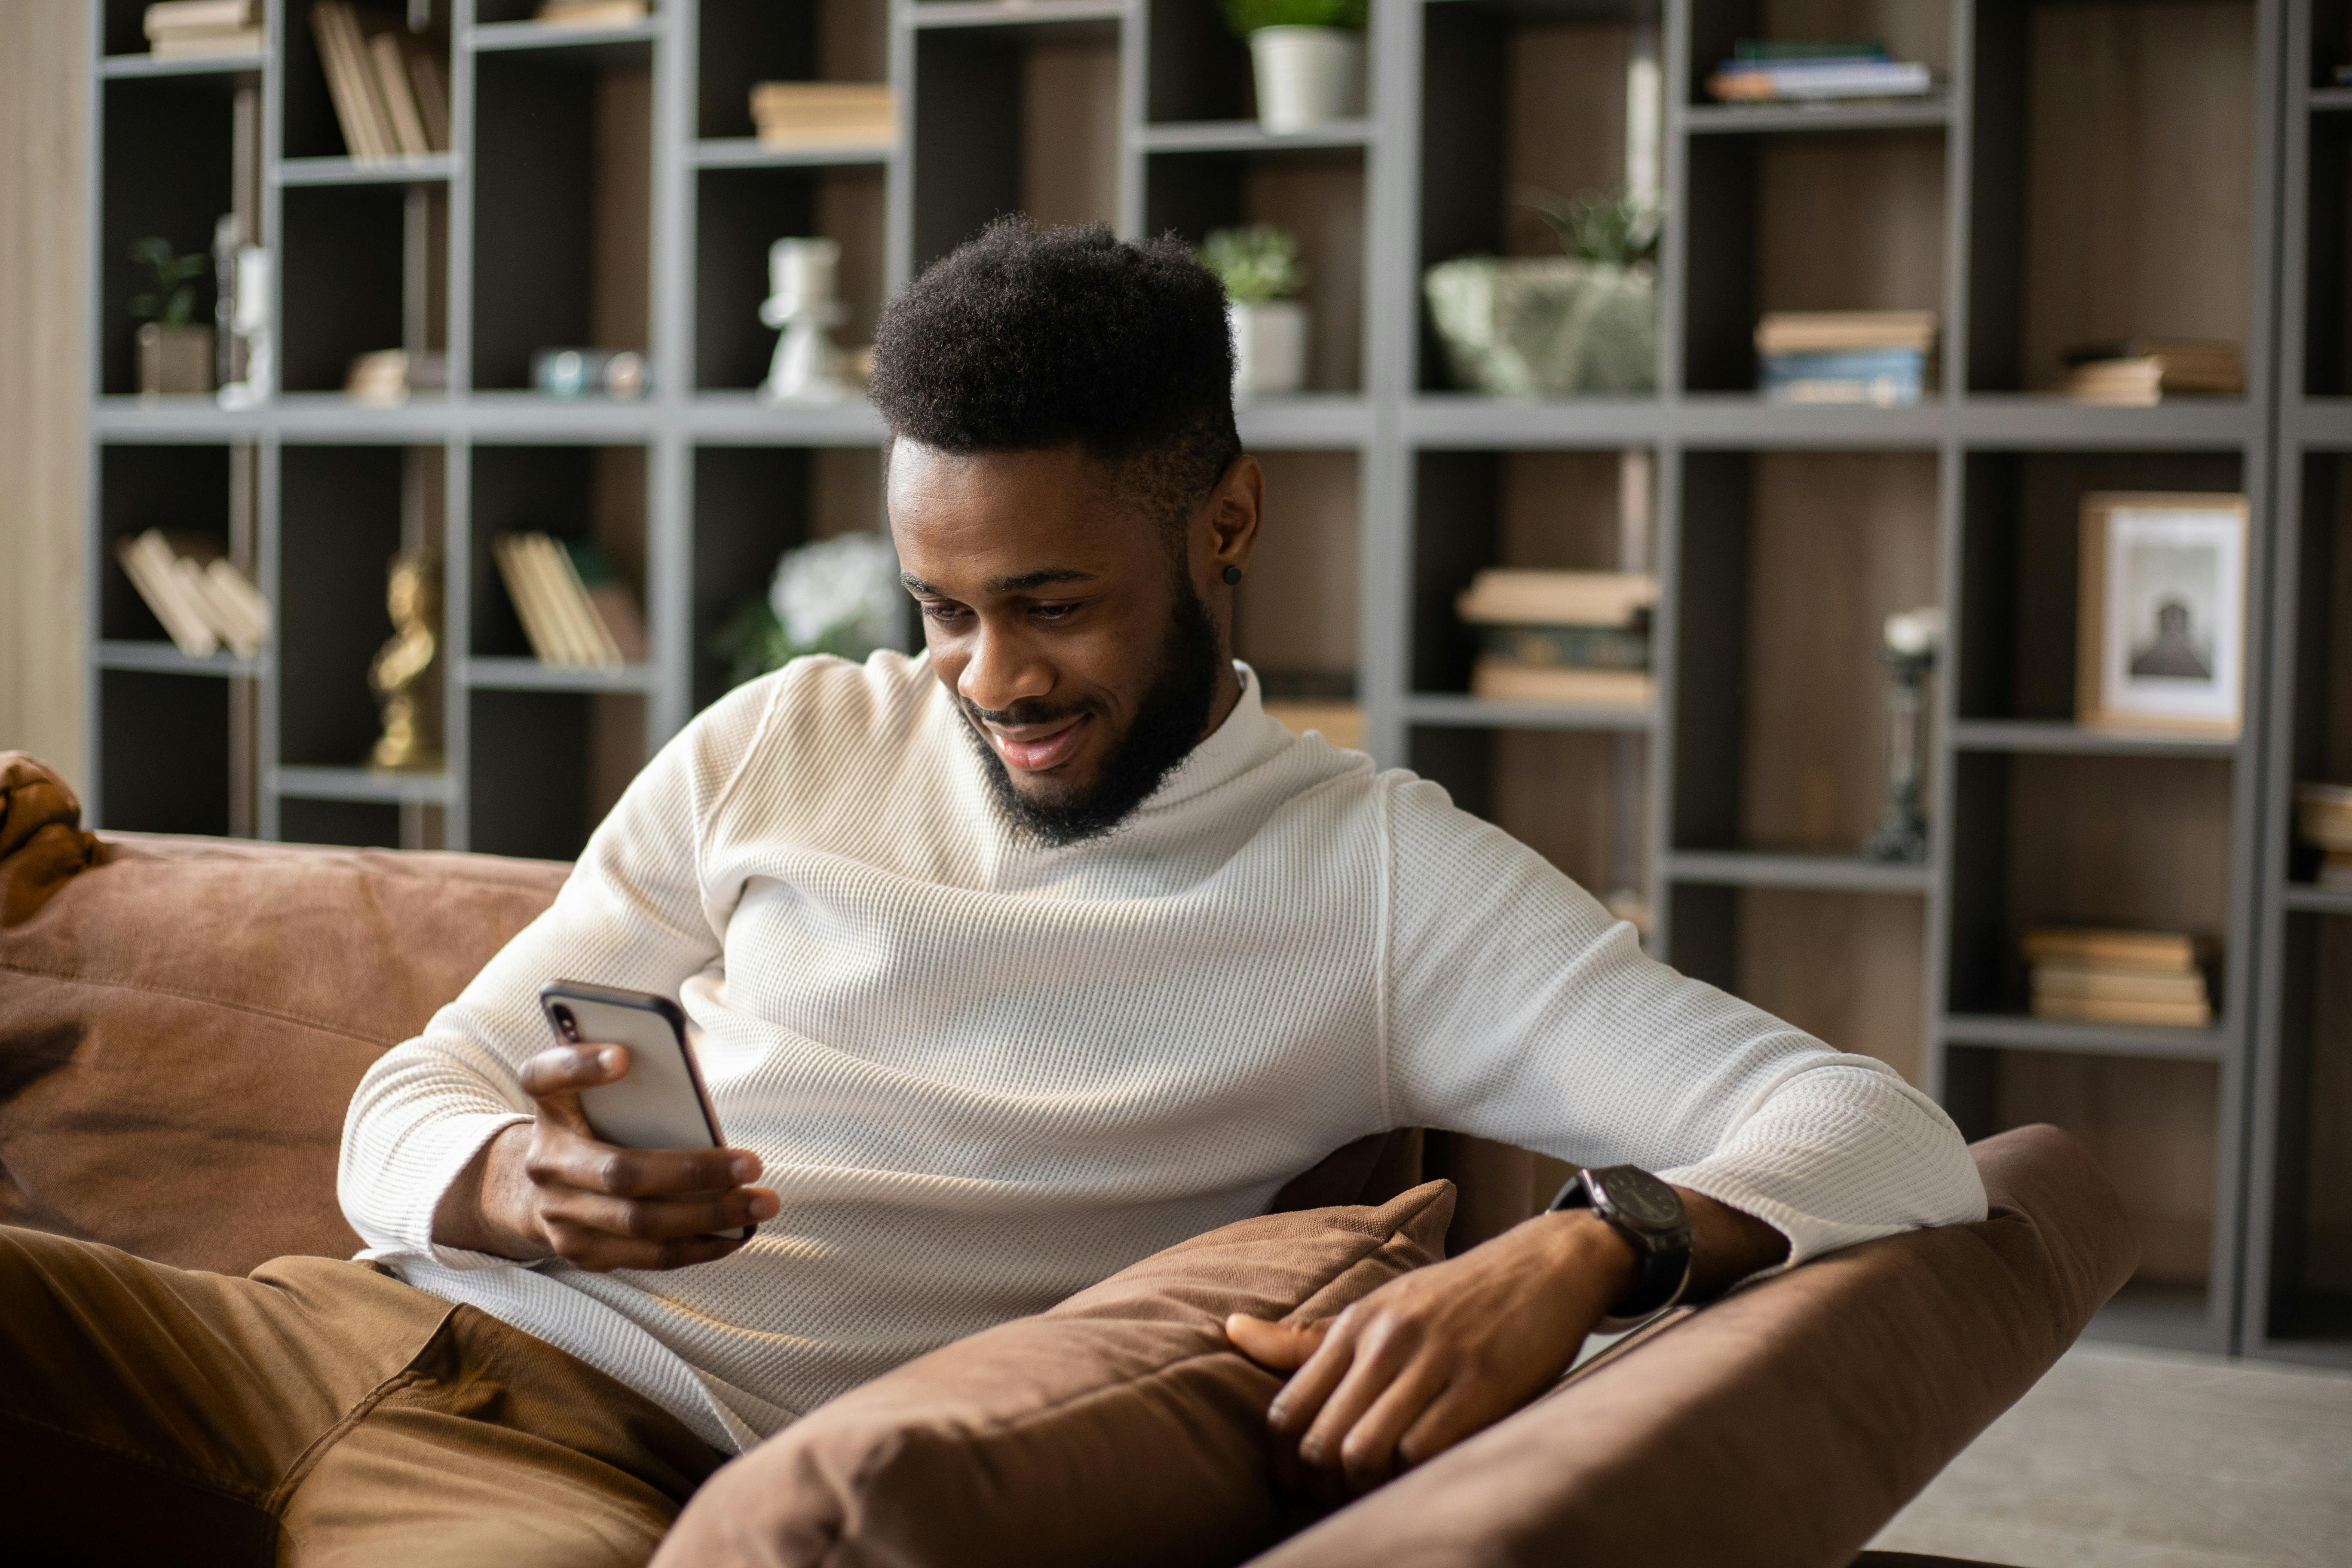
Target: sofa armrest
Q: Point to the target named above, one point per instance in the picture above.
(1782, 1426)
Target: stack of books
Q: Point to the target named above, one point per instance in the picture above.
(572, 605)
(1883, 358)
(1764, 70)
(385, 378)
(2086, 975)
(386, 86)
(791, 114)
(2137, 372)
(182, 29)
(202, 600)
(592, 12)
(1321, 700)
(2323, 815)
(1579, 637)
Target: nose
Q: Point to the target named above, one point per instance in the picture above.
(1004, 668)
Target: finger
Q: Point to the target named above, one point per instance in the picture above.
(1368, 1454)
(1464, 1407)
(1293, 1408)
(665, 1219)
(568, 1070)
(1380, 1357)
(591, 1166)
(601, 1251)
(1280, 1347)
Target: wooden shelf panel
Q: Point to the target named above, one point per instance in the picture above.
(164, 659)
(1838, 118)
(750, 152)
(1248, 136)
(2056, 738)
(361, 784)
(2305, 898)
(2016, 1031)
(488, 38)
(529, 675)
(1810, 873)
(1446, 711)
(439, 168)
(1016, 13)
(132, 68)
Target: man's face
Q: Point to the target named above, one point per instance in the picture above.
(1066, 622)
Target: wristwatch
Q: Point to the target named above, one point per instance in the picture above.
(1647, 1213)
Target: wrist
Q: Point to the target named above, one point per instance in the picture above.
(1589, 1252)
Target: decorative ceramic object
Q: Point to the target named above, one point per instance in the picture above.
(1547, 326)
(1913, 638)
(802, 304)
(1306, 77)
(1269, 346)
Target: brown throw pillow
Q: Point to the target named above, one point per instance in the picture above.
(183, 1020)
(1119, 1428)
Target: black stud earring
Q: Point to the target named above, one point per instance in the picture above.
(1233, 575)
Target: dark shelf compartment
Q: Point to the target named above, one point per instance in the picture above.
(2021, 548)
(562, 172)
(1791, 563)
(2154, 1126)
(2066, 247)
(546, 766)
(1554, 790)
(176, 186)
(345, 287)
(340, 526)
(165, 741)
(178, 489)
(310, 129)
(355, 824)
(743, 211)
(746, 42)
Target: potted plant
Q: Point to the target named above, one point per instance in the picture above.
(174, 356)
(1259, 265)
(1309, 55)
(1555, 326)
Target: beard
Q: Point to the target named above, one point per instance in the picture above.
(1166, 726)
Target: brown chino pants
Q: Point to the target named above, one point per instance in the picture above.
(315, 1413)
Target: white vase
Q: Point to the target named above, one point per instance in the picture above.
(1306, 75)
(1269, 347)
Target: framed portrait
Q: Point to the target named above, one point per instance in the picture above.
(2162, 634)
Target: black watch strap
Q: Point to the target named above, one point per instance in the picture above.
(1648, 1214)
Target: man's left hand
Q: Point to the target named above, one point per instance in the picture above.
(1437, 1354)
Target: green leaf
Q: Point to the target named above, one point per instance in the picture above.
(1246, 16)
(1257, 262)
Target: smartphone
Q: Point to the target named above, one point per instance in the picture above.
(661, 1102)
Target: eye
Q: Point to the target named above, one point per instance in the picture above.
(1053, 612)
(942, 613)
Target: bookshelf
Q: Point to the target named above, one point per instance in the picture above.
(604, 189)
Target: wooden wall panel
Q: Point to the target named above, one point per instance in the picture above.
(1320, 200)
(1559, 511)
(1912, 30)
(2125, 841)
(1851, 223)
(2141, 131)
(1565, 130)
(1296, 610)
(846, 491)
(1555, 791)
(43, 383)
(2327, 1101)
(1849, 968)
(621, 258)
(2151, 1125)
(851, 209)
(1069, 132)
(1839, 541)
(853, 40)
(2337, 676)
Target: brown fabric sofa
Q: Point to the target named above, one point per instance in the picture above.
(183, 1020)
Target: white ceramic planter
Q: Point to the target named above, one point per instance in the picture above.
(1269, 347)
(1307, 76)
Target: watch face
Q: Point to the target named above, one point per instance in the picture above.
(1641, 1199)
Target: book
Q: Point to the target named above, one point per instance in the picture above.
(608, 600)
(2158, 951)
(592, 12)
(2141, 370)
(1505, 681)
(2087, 1010)
(1568, 647)
(2105, 983)
(385, 377)
(391, 65)
(574, 609)
(1774, 50)
(1882, 378)
(1828, 332)
(823, 113)
(200, 16)
(198, 46)
(1514, 597)
(200, 599)
(351, 82)
(2322, 816)
(525, 593)
(1820, 80)
(431, 97)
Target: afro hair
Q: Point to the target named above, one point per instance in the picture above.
(1026, 338)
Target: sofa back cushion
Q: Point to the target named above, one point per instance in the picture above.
(1117, 1428)
(183, 1020)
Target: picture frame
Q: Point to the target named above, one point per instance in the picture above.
(2160, 640)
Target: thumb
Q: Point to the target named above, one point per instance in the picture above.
(1280, 1347)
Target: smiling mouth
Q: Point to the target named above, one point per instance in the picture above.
(1036, 748)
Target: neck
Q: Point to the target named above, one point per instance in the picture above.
(1228, 696)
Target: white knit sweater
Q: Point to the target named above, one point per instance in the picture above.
(984, 1075)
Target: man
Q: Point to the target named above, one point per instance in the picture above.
(1013, 964)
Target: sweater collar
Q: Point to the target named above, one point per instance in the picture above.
(1246, 738)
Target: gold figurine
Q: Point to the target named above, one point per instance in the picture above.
(397, 673)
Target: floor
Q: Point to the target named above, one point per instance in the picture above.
(2129, 1458)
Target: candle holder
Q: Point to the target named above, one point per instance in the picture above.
(1912, 640)
(801, 305)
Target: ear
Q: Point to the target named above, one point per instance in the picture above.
(1232, 514)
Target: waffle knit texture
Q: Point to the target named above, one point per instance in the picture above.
(983, 1074)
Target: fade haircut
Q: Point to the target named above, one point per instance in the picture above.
(1026, 338)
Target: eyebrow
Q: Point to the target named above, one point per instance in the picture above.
(1015, 585)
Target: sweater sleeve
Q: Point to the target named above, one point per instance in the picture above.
(634, 914)
(1519, 1011)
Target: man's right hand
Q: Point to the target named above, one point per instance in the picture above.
(549, 1188)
